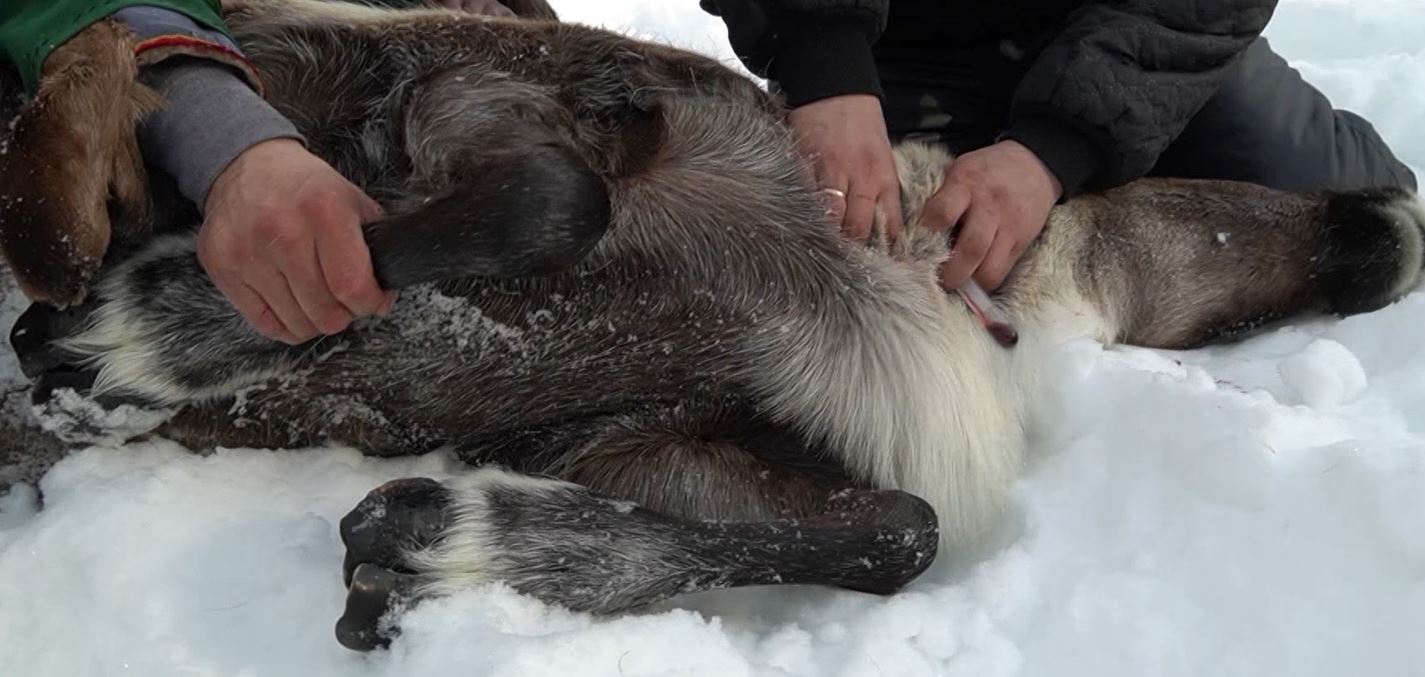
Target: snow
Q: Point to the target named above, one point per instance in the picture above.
(1248, 509)
(1367, 56)
(1323, 375)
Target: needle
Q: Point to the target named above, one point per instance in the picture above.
(994, 321)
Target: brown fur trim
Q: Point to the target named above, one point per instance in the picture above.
(68, 157)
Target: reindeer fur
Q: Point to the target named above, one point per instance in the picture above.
(621, 296)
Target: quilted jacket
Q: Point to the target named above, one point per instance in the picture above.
(1108, 92)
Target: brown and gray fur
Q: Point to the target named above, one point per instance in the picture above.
(620, 293)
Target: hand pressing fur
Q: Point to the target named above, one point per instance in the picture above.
(845, 139)
(1000, 196)
(282, 241)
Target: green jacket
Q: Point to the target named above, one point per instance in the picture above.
(31, 29)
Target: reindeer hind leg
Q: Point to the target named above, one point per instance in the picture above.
(730, 519)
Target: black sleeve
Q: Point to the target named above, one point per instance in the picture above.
(813, 49)
(1106, 98)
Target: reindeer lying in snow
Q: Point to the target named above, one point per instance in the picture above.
(622, 302)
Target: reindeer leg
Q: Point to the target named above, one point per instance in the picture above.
(499, 196)
(730, 519)
(1177, 263)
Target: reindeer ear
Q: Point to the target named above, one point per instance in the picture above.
(532, 9)
(70, 156)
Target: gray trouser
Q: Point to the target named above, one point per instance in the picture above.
(1266, 125)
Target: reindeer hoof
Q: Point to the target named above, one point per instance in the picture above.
(35, 334)
(36, 338)
(393, 519)
(375, 597)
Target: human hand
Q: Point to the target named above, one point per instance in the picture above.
(487, 7)
(282, 241)
(1000, 196)
(845, 138)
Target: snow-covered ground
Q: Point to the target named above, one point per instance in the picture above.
(1255, 509)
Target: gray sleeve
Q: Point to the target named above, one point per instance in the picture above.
(212, 116)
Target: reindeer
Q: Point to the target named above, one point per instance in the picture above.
(622, 304)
